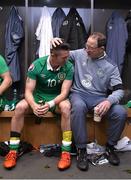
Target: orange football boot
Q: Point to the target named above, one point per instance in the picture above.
(10, 159)
(65, 161)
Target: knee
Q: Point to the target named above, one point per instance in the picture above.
(65, 108)
(123, 113)
(78, 107)
(20, 108)
(120, 112)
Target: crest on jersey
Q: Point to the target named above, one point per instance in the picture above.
(100, 73)
(61, 76)
(87, 82)
(31, 68)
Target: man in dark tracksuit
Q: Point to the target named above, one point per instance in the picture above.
(94, 76)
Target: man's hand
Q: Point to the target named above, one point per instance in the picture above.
(40, 110)
(103, 107)
(56, 41)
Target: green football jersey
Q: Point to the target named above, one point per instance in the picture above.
(48, 82)
(3, 67)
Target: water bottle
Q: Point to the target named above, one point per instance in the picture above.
(15, 95)
(41, 102)
(39, 119)
(14, 101)
(7, 107)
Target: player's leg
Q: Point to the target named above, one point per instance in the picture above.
(64, 108)
(17, 123)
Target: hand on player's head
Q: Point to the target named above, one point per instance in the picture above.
(56, 41)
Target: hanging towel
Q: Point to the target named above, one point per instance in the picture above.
(44, 32)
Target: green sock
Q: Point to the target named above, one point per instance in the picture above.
(14, 143)
(66, 148)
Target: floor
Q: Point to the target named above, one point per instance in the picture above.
(36, 166)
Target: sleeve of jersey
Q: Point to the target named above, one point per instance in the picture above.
(32, 71)
(70, 72)
(73, 55)
(3, 66)
(116, 86)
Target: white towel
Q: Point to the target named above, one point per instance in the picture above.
(44, 32)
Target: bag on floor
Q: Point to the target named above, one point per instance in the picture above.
(24, 147)
(4, 148)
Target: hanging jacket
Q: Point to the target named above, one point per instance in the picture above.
(13, 36)
(126, 74)
(116, 39)
(44, 32)
(73, 30)
(128, 23)
(57, 20)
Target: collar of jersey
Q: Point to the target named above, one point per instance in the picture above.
(103, 56)
(49, 67)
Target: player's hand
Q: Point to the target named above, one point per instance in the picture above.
(56, 41)
(40, 110)
(43, 109)
(35, 108)
(103, 107)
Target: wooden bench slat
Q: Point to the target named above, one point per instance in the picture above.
(49, 114)
(129, 112)
(11, 113)
(6, 113)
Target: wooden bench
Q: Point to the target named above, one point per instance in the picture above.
(11, 113)
(49, 130)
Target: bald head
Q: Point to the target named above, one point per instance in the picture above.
(95, 45)
(100, 38)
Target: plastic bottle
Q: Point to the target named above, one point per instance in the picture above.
(15, 100)
(39, 119)
(15, 95)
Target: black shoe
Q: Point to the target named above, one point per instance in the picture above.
(73, 150)
(112, 156)
(82, 161)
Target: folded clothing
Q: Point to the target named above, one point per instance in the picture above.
(94, 148)
(123, 144)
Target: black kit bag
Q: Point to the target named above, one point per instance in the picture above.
(24, 147)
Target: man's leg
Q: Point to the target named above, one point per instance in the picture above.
(78, 125)
(17, 124)
(116, 117)
(65, 161)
